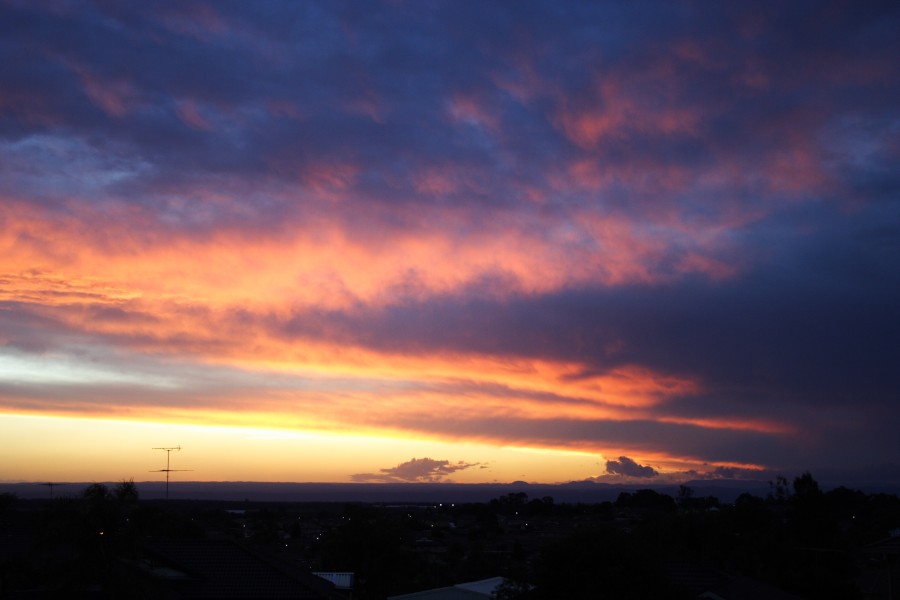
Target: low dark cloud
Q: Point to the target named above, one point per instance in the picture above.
(628, 467)
(736, 473)
(416, 470)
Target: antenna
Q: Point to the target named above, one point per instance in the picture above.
(50, 484)
(167, 470)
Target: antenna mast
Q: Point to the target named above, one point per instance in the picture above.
(168, 470)
(50, 484)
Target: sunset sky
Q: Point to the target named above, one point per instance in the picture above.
(449, 241)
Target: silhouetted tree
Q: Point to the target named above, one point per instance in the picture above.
(509, 503)
(685, 494)
(539, 507)
(126, 493)
(779, 491)
(808, 515)
(646, 500)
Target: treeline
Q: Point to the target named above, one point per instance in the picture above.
(798, 538)
(83, 545)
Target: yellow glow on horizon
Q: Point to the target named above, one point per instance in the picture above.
(50, 448)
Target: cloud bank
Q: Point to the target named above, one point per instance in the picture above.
(648, 230)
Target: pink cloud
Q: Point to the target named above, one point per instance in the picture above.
(618, 105)
(469, 109)
(116, 97)
(189, 112)
(416, 469)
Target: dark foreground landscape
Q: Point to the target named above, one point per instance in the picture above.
(788, 539)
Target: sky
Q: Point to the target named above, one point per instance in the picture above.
(449, 241)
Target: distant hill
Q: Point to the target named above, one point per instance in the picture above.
(415, 493)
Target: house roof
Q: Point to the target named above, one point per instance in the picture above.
(223, 569)
(473, 590)
(485, 586)
(884, 547)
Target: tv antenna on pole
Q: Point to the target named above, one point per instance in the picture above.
(168, 470)
(50, 484)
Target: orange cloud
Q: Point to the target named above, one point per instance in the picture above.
(760, 425)
(221, 298)
(322, 262)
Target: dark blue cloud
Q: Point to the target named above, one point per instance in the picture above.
(324, 61)
(628, 467)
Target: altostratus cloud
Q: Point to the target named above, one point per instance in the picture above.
(416, 469)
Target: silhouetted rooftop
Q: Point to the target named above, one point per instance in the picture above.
(207, 569)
